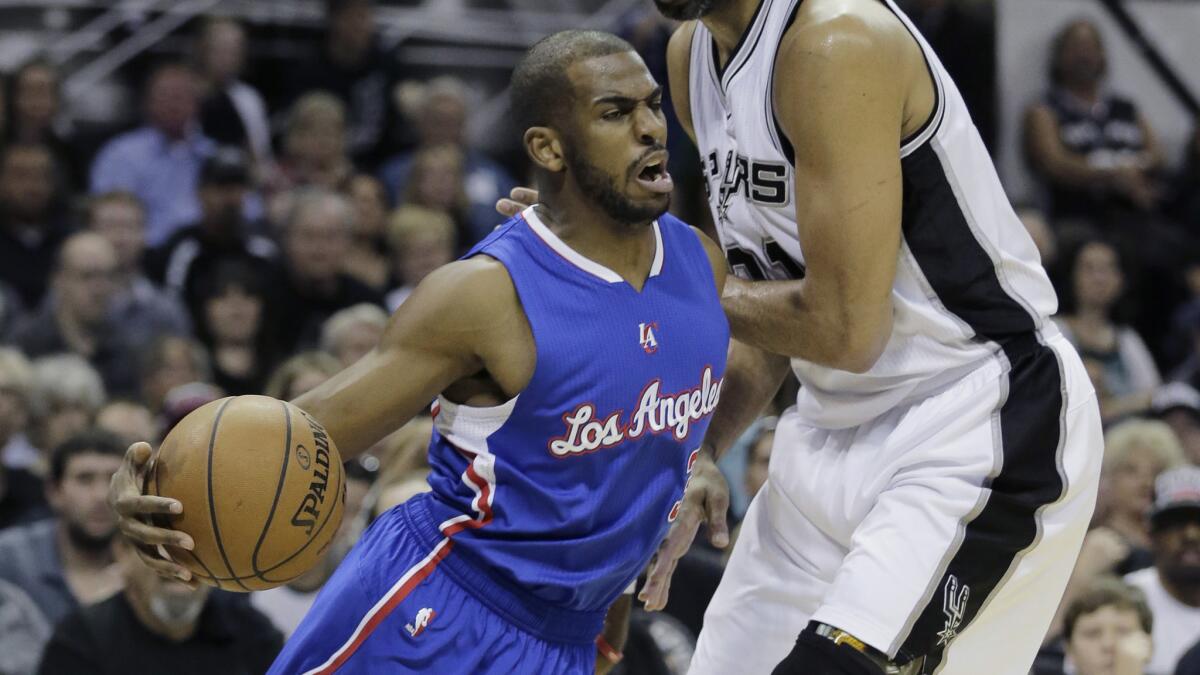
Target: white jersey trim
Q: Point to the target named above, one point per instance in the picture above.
(583, 262)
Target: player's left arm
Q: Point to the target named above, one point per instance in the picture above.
(840, 100)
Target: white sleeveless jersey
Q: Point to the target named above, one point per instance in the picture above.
(968, 280)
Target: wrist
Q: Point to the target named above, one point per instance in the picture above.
(610, 653)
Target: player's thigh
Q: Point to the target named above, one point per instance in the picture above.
(765, 597)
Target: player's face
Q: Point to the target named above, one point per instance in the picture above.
(687, 10)
(616, 150)
(1093, 645)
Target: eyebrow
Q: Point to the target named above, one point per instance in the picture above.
(618, 99)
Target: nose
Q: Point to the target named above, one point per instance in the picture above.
(651, 126)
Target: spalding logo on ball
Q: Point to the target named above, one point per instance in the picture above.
(262, 489)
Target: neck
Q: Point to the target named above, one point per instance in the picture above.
(1088, 93)
(1188, 594)
(1092, 315)
(728, 23)
(626, 249)
(75, 558)
(172, 632)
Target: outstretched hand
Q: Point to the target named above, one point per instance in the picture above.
(518, 200)
(706, 500)
(134, 508)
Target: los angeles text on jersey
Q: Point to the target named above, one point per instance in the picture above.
(656, 413)
(759, 181)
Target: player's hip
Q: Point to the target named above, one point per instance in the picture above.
(1016, 416)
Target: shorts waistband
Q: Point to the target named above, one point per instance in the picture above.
(531, 614)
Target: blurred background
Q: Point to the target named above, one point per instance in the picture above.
(201, 198)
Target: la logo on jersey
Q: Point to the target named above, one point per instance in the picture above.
(647, 338)
(424, 616)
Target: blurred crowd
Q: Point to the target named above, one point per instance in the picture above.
(235, 244)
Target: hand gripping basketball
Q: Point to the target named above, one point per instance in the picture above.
(705, 501)
(134, 508)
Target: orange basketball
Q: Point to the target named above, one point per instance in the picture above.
(262, 490)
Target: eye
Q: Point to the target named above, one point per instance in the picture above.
(656, 105)
(614, 114)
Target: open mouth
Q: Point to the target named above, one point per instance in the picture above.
(654, 176)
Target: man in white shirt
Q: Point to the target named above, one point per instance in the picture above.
(1172, 586)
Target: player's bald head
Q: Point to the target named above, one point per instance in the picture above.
(542, 91)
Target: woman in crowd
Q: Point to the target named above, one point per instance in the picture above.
(436, 182)
(421, 240)
(367, 260)
(1091, 289)
(35, 116)
(229, 322)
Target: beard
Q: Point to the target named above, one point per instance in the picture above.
(601, 189)
(177, 609)
(688, 10)
(87, 541)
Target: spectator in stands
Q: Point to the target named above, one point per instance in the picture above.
(170, 362)
(1091, 289)
(301, 373)
(1106, 631)
(353, 66)
(349, 334)
(1178, 404)
(1136, 452)
(230, 324)
(129, 420)
(421, 240)
(67, 561)
(16, 390)
(1043, 235)
(31, 228)
(441, 116)
(21, 624)
(231, 111)
(182, 400)
(78, 318)
(314, 144)
(311, 286)
(160, 161)
(437, 181)
(158, 625)
(21, 497)
(37, 117)
(1172, 586)
(188, 258)
(367, 259)
(67, 393)
(1095, 150)
(144, 311)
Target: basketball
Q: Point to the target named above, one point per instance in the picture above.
(262, 490)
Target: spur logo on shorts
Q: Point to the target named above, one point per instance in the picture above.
(954, 606)
(420, 622)
(656, 413)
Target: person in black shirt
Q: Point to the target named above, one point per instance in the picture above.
(30, 228)
(156, 625)
(310, 286)
(354, 67)
(231, 111)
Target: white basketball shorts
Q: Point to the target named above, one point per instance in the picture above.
(944, 530)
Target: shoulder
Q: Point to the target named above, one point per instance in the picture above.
(679, 47)
(475, 288)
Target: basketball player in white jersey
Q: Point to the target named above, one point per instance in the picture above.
(929, 492)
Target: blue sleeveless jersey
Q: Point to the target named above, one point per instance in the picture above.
(565, 491)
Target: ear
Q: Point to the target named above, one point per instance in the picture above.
(544, 146)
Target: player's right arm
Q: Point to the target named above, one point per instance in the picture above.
(462, 320)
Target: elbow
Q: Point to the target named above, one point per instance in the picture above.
(857, 359)
(860, 344)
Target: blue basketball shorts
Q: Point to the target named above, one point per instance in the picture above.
(399, 603)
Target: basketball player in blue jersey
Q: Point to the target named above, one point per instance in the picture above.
(929, 492)
(576, 356)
